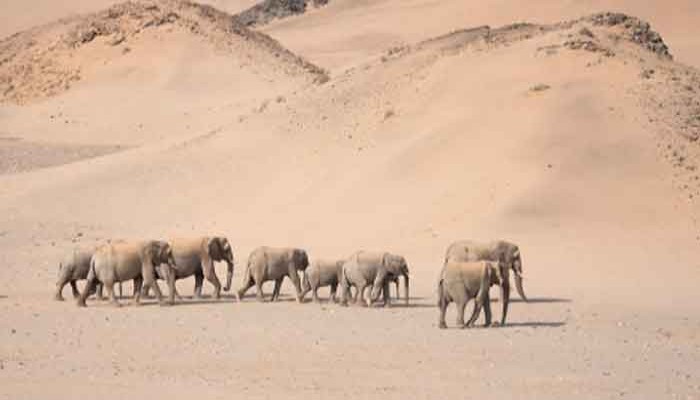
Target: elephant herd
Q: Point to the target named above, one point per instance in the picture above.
(469, 270)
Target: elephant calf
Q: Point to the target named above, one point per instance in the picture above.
(121, 261)
(322, 273)
(373, 269)
(74, 267)
(463, 281)
(273, 264)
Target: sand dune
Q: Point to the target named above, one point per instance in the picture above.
(574, 136)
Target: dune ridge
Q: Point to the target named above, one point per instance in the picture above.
(45, 61)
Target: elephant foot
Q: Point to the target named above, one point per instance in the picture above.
(442, 325)
(166, 303)
(81, 304)
(58, 297)
(461, 325)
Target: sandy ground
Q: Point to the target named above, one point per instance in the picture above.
(404, 152)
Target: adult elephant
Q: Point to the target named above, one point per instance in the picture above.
(373, 269)
(122, 261)
(508, 253)
(74, 267)
(273, 264)
(196, 256)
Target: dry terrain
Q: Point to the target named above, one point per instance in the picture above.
(397, 125)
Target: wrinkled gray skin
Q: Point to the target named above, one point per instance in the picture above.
(322, 273)
(376, 270)
(463, 281)
(509, 253)
(122, 261)
(74, 267)
(273, 264)
(196, 256)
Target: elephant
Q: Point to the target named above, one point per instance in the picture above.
(462, 281)
(509, 253)
(273, 264)
(322, 273)
(122, 261)
(375, 269)
(196, 256)
(73, 267)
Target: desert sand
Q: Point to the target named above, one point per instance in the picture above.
(389, 125)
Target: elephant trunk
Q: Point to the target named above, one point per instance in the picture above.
(229, 275)
(405, 282)
(519, 285)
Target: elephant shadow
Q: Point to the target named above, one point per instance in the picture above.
(534, 324)
(535, 300)
(526, 324)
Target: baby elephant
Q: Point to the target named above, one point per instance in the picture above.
(322, 273)
(463, 281)
(74, 267)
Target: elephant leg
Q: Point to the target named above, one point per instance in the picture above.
(487, 309)
(74, 288)
(138, 287)
(461, 305)
(360, 295)
(442, 304)
(210, 275)
(344, 292)
(149, 281)
(109, 286)
(387, 294)
(297, 284)
(59, 289)
(475, 312)
(315, 294)
(276, 290)
(86, 292)
(505, 298)
(249, 283)
(398, 294)
(99, 289)
(334, 291)
(355, 297)
(198, 283)
(259, 295)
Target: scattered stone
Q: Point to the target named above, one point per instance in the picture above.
(647, 73)
(540, 87)
(637, 30)
(268, 10)
(586, 32)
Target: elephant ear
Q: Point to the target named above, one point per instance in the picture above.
(386, 260)
(150, 250)
(164, 252)
(213, 247)
(301, 259)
